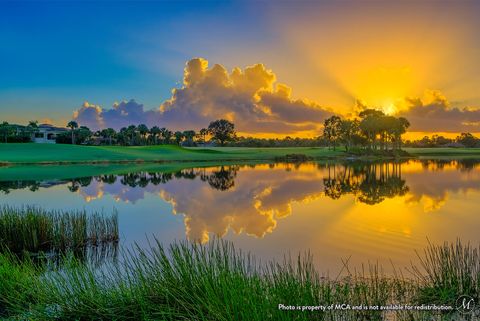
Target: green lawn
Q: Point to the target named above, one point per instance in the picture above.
(68, 154)
(443, 151)
(46, 153)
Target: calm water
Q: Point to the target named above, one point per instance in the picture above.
(368, 212)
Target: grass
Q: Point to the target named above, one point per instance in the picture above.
(443, 151)
(218, 282)
(35, 230)
(450, 269)
(68, 154)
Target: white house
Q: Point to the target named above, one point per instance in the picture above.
(47, 134)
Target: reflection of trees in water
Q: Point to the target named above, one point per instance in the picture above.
(222, 180)
(371, 183)
(463, 165)
(7, 186)
(76, 183)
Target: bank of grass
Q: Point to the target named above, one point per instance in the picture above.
(443, 151)
(217, 282)
(73, 154)
(35, 154)
(34, 230)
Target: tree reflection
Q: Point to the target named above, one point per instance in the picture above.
(222, 180)
(370, 183)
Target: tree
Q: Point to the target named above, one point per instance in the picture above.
(83, 135)
(348, 130)
(32, 128)
(467, 140)
(203, 133)
(108, 133)
(399, 128)
(189, 135)
(178, 137)
(143, 130)
(5, 130)
(371, 125)
(73, 125)
(155, 132)
(122, 136)
(166, 135)
(332, 130)
(222, 130)
(131, 133)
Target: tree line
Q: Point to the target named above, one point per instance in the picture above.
(219, 131)
(17, 134)
(463, 140)
(372, 130)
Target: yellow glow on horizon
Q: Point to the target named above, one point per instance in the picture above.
(382, 53)
(306, 134)
(420, 135)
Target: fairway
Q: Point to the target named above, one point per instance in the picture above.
(57, 154)
(74, 154)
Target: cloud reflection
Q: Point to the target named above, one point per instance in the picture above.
(251, 199)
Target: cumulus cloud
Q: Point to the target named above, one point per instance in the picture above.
(249, 97)
(120, 115)
(89, 115)
(433, 112)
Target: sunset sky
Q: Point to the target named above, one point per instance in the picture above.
(273, 67)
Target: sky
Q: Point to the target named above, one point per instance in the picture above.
(275, 68)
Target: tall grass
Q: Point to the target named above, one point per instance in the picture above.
(448, 271)
(34, 230)
(217, 282)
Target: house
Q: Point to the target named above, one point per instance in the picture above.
(47, 134)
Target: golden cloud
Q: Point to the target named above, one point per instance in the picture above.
(434, 113)
(250, 97)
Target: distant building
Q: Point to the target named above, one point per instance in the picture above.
(47, 134)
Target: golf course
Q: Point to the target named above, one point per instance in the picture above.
(57, 154)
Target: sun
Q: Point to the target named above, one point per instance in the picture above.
(389, 108)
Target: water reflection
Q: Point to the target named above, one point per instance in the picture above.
(370, 183)
(251, 199)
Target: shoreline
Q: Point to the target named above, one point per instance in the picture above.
(56, 155)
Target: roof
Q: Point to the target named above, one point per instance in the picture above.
(49, 127)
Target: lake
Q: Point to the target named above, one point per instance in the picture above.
(357, 211)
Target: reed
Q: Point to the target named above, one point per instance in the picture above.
(188, 281)
(447, 271)
(34, 230)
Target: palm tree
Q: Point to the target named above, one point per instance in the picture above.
(108, 133)
(189, 135)
(32, 128)
(166, 134)
(131, 133)
(123, 135)
(178, 137)
(72, 125)
(398, 130)
(155, 131)
(143, 130)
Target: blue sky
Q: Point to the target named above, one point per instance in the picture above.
(58, 54)
(413, 58)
